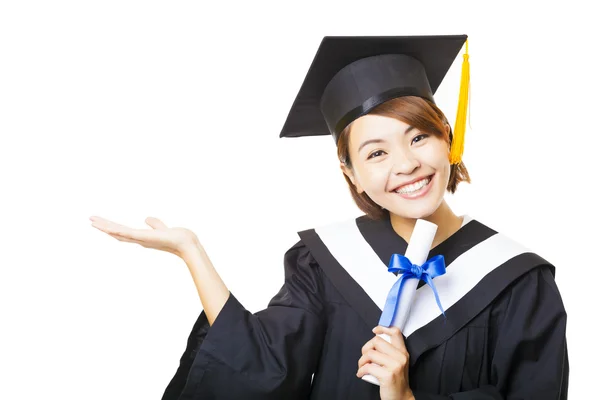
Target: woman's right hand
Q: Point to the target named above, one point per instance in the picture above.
(183, 243)
(177, 241)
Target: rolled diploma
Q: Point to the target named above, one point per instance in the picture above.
(417, 252)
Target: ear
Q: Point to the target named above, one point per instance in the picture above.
(350, 174)
(447, 127)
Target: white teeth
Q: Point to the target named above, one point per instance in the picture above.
(413, 187)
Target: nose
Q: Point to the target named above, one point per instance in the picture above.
(405, 163)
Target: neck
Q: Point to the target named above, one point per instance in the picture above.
(448, 223)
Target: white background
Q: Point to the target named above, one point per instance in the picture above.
(128, 109)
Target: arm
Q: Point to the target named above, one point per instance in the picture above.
(530, 359)
(211, 289)
(271, 354)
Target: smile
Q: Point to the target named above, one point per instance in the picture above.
(415, 189)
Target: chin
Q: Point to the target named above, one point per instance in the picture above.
(414, 212)
(416, 209)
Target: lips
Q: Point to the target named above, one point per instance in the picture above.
(416, 190)
(411, 182)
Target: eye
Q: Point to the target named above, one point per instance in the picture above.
(420, 137)
(373, 154)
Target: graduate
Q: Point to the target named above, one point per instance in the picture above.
(501, 333)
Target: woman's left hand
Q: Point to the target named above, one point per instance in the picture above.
(388, 362)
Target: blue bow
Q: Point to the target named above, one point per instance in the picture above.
(433, 267)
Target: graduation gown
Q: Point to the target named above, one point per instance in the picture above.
(503, 336)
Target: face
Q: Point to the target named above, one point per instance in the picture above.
(400, 168)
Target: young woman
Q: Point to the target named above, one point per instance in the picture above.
(502, 334)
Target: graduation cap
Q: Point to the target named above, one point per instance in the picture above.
(351, 75)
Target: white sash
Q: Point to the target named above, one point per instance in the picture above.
(348, 246)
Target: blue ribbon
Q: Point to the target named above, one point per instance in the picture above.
(432, 268)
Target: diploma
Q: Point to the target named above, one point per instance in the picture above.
(417, 252)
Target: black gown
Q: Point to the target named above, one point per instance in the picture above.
(503, 336)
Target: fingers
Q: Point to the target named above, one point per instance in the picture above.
(124, 239)
(394, 333)
(160, 237)
(114, 228)
(116, 235)
(380, 344)
(382, 374)
(122, 232)
(383, 353)
(388, 362)
(108, 226)
(392, 355)
(156, 223)
(377, 357)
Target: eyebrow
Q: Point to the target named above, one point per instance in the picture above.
(370, 141)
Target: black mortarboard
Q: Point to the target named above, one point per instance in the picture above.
(350, 75)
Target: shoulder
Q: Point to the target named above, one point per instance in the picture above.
(315, 242)
(299, 259)
(303, 278)
(300, 252)
(339, 224)
(515, 254)
(317, 236)
(541, 276)
(534, 291)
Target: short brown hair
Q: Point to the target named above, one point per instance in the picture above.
(419, 113)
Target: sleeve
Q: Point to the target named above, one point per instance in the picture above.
(271, 354)
(530, 359)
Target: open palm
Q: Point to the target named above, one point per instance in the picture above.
(160, 237)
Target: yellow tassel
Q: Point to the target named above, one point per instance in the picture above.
(458, 135)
